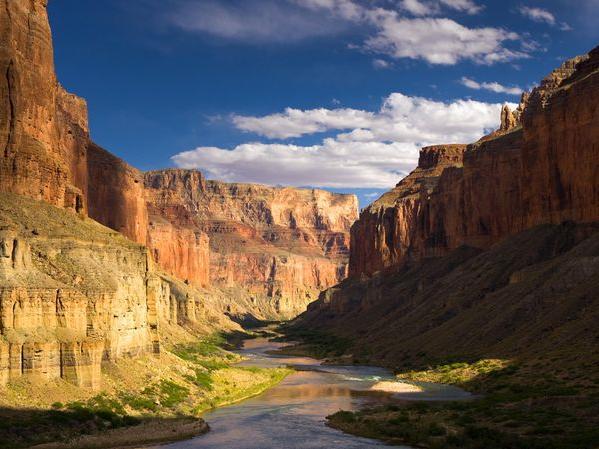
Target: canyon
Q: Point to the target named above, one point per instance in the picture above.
(179, 254)
(482, 240)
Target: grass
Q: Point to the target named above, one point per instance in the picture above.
(317, 344)
(202, 375)
(522, 407)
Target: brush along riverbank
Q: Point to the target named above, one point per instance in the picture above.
(521, 406)
(145, 400)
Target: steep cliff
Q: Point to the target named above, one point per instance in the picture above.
(541, 166)
(493, 255)
(283, 245)
(74, 293)
(43, 129)
(387, 229)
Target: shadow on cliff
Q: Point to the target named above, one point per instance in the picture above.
(249, 321)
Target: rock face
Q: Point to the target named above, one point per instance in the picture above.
(297, 240)
(116, 194)
(541, 166)
(72, 292)
(532, 293)
(387, 230)
(493, 255)
(284, 244)
(43, 129)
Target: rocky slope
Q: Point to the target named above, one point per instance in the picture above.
(492, 255)
(283, 245)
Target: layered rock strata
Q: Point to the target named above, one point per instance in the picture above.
(541, 166)
(284, 244)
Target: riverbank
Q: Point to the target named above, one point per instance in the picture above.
(145, 400)
(521, 406)
(546, 401)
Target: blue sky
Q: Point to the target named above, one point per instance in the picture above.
(338, 94)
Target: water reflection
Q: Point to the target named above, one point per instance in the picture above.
(292, 415)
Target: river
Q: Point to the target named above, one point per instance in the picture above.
(292, 414)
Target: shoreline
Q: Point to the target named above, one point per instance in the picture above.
(150, 432)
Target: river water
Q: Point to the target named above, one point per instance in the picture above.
(292, 414)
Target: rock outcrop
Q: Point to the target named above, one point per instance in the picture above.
(43, 129)
(74, 293)
(541, 166)
(284, 244)
(387, 230)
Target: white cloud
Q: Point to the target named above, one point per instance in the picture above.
(295, 122)
(537, 14)
(375, 150)
(543, 16)
(331, 164)
(259, 21)
(440, 40)
(491, 86)
(430, 7)
(418, 8)
(435, 40)
(380, 64)
(467, 6)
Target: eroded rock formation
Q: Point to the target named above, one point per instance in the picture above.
(541, 166)
(386, 232)
(283, 243)
(43, 129)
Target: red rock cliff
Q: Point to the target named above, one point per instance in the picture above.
(283, 243)
(387, 228)
(541, 166)
(43, 129)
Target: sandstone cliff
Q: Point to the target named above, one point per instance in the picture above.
(74, 293)
(284, 245)
(541, 166)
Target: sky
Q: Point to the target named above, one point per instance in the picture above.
(335, 94)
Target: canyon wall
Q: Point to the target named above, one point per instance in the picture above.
(488, 250)
(43, 129)
(284, 244)
(541, 166)
(74, 293)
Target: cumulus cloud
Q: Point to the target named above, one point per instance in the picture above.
(440, 40)
(295, 122)
(490, 86)
(331, 164)
(373, 149)
(435, 40)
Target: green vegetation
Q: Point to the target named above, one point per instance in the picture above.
(535, 405)
(317, 344)
(203, 375)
